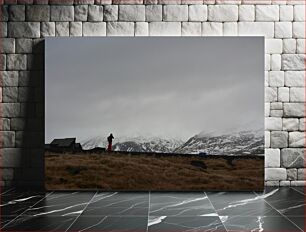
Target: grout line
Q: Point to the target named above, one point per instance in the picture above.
(14, 219)
(77, 217)
(211, 202)
(297, 190)
(149, 211)
(215, 210)
(281, 214)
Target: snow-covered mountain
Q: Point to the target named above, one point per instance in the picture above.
(135, 144)
(238, 143)
(154, 144)
(96, 141)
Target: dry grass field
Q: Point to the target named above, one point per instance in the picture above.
(115, 171)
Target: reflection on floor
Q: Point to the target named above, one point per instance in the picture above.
(276, 209)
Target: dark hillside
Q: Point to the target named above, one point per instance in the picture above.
(123, 171)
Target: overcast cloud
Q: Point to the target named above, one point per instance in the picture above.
(153, 86)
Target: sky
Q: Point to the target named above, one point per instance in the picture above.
(168, 87)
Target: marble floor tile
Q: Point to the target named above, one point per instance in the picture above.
(110, 224)
(229, 196)
(180, 224)
(289, 208)
(13, 203)
(286, 201)
(299, 221)
(116, 203)
(6, 190)
(40, 223)
(301, 190)
(241, 203)
(254, 208)
(180, 204)
(273, 210)
(282, 193)
(258, 223)
(5, 220)
(61, 204)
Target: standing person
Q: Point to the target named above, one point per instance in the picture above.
(110, 141)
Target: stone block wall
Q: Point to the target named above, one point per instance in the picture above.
(25, 23)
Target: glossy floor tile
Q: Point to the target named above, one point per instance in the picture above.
(244, 204)
(259, 223)
(13, 203)
(286, 201)
(298, 221)
(180, 204)
(300, 189)
(275, 209)
(110, 223)
(118, 204)
(180, 224)
(40, 223)
(61, 204)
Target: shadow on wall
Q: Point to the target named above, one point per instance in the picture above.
(30, 139)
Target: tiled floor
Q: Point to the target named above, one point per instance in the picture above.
(275, 210)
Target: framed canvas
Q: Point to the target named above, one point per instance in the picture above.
(154, 113)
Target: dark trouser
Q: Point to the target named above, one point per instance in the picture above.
(109, 147)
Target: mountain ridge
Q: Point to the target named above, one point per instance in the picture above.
(237, 143)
